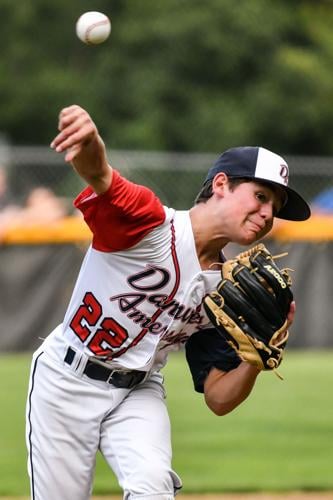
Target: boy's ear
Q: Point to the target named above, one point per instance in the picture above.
(219, 182)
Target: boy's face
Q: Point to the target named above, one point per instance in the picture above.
(249, 209)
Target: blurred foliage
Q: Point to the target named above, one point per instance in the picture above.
(180, 75)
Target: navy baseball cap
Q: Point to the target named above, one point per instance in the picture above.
(260, 164)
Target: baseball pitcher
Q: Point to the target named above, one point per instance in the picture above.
(153, 280)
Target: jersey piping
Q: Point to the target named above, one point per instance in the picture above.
(168, 300)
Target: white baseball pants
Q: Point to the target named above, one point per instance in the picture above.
(70, 417)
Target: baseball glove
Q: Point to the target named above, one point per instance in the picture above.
(250, 307)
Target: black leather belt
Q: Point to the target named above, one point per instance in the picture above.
(118, 378)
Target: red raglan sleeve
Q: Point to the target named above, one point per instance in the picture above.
(122, 216)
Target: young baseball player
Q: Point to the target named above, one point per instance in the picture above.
(95, 381)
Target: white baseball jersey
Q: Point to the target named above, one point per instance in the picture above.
(138, 295)
(140, 289)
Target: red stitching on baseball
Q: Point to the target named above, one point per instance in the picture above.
(93, 26)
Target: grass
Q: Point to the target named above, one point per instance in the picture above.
(280, 439)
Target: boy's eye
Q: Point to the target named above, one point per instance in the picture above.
(261, 197)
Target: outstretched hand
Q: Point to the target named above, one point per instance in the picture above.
(77, 130)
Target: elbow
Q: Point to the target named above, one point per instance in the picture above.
(220, 408)
(219, 411)
(225, 391)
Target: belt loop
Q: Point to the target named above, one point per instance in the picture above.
(70, 355)
(108, 381)
(82, 365)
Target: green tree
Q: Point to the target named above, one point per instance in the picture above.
(181, 75)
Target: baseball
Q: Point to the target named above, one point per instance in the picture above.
(93, 27)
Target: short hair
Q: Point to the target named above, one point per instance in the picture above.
(206, 191)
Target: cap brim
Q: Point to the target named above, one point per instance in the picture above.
(296, 208)
(261, 165)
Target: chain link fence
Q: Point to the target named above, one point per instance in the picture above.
(37, 280)
(175, 177)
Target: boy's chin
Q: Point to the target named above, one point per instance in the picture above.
(249, 239)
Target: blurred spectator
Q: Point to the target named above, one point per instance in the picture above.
(42, 206)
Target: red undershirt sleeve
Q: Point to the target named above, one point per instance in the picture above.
(122, 216)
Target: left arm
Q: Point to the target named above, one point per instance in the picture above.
(224, 391)
(218, 372)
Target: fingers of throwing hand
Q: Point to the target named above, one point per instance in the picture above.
(76, 127)
(73, 152)
(70, 115)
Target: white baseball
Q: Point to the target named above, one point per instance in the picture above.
(93, 27)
